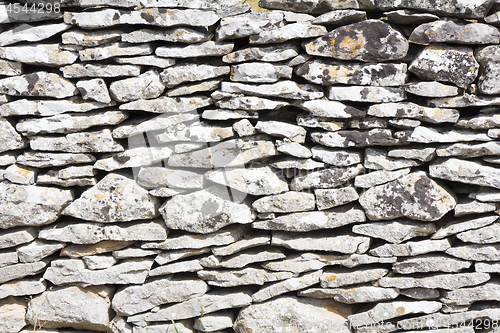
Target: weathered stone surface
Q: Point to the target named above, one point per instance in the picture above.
(366, 94)
(70, 122)
(464, 100)
(446, 63)
(486, 292)
(44, 160)
(195, 307)
(395, 231)
(342, 277)
(321, 241)
(380, 177)
(24, 107)
(293, 148)
(299, 164)
(444, 281)
(38, 84)
(247, 24)
(487, 194)
(115, 198)
(412, 110)
(358, 294)
(486, 235)
(17, 236)
(22, 288)
(190, 72)
(168, 104)
(147, 60)
(451, 31)
(288, 32)
(126, 272)
(242, 259)
(117, 49)
(42, 55)
(242, 277)
(147, 126)
(416, 153)
(196, 87)
(255, 239)
(77, 307)
(326, 178)
(79, 251)
(430, 89)
(82, 142)
(178, 34)
(214, 321)
(288, 202)
(145, 86)
(13, 312)
(384, 311)
(377, 159)
(476, 252)
(285, 286)
(282, 89)
(153, 177)
(18, 271)
(133, 252)
(92, 233)
(305, 6)
(30, 33)
(37, 250)
(470, 206)
(330, 109)
(217, 211)
(194, 132)
(411, 248)
(308, 221)
(486, 121)
(462, 170)
(254, 181)
(250, 103)
(149, 16)
(231, 153)
(10, 139)
(133, 158)
(415, 196)
(420, 293)
(95, 89)
(90, 38)
(75, 172)
(405, 16)
(282, 129)
(340, 17)
(430, 263)
(169, 256)
(99, 261)
(423, 134)
(370, 41)
(205, 49)
(99, 70)
(10, 68)
(337, 157)
(134, 299)
(273, 53)
(328, 72)
(328, 198)
(221, 114)
(487, 267)
(458, 8)
(31, 205)
(258, 72)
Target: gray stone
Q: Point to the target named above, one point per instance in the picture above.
(281, 129)
(464, 100)
(374, 178)
(190, 72)
(242, 259)
(37, 250)
(369, 44)
(164, 192)
(358, 294)
(306, 6)
(321, 241)
(465, 171)
(221, 114)
(117, 49)
(250, 103)
(194, 4)
(307, 221)
(99, 261)
(241, 277)
(274, 53)
(443, 281)
(458, 8)
(8, 258)
(422, 134)
(134, 299)
(476, 252)
(485, 194)
(377, 159)
(24, 107)
(91, 38)
(343, 277)
(404, 123)
(92, 233)
(231, 153)
(152, 177)
(13, 312)
(329, 109)
(39, 84)
(133, 252)
(282, 287)
(99, 70)
(145, 86)
(288, 32)
(177, 34)
(218, 210)
(44, 160)
(485, 235)
(420, 153)
(205, 49)
(299, 164)
(430, 89)
(254, 181)
(82, 142)
(147, 60)
(181, 326)
(214, 321)
(10, 139)
(304, 262)
(339, 157)
(31, 205)
(285, 203)
(420, 293)
(69, 122)
(439, 62)
(78, 251)
(148, 16)
(412, 248)
(408, 196)
(18, 271)
(134, 158)
(10, 68)
(328, 72)
(486, 292)
(258, 72)
(487, 267)
(29, 33)
(489, 59)
(147, 126)
(395, 231)
(41, 55)
(23, 287)
(366, 94)
(196, 307)
(405, 16)
(13, 237)
(194, 132)
(412, 110)
(169, 256)
(247, 24)
(225, 236)
(115, 198)
(430, 263)
(470, 206)
(340, 17)
(451, 31)
(282, 89)
(95, 89)
(326, 178)
(126, 272)
(292, 148)
(485, 121)
(328, 198)
(384, 311)
(196, 87)
(255, 239)
(168, 104)
(76, 307)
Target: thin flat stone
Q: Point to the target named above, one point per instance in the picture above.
(411, 248)
(415, 111)
(258, 72)
(476, 252)
(82, 142)
(19, 271)
(205, 49)
(343, 277)
(29, 33)
(283, 89)
(74, 172)
(177, 267)
(244, 258)
(144, 86)
(153, 177)
(485, 235)
(24, 107)
(358, 294)
(326, 178)
(444, 281)
(464, 224)
(23, 287)
(380, 177)
(177, 34)
(169, 256)
(161, 122)
(329, 198)
(288, 202)
(430, 89)
(90, 38)
(191, 72)
(39, 84)
(366, 94)
(134, 158)
(405, 16)
(114, 50)
(395, 231)
(17, 236)
(168, 104)
(459, 8)
(250, 103)
(128, 253)
(462, 170)
(37, 250)
(299, 164)
(247, 24)
(279, 52)
(465, 296)
(340, 17)
(282, 287)
(147, 60)
(377, 159)
(321, 241)
(241, 277)
(44, 160)
(470, 206)
(99, 70)
(339, 157)
(420, 154)
(214, 322)
(330, 109)
(288, 32)
(41, 55)
(305, 6)
(430, 263)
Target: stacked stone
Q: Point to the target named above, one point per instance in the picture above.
(192, 166)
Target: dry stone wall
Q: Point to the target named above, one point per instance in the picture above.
(192, 166)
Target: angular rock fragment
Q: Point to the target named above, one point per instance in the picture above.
(458, 8)
(411, 248)
(380, 177)
(430, 89)
(412, 110)
(285, 286)
(464, 100)
(115, 198)
(285, 203)
(338, 157)
(205, 49)
(486, 235)
(352, 138)
(430, 263)
(259, 72)
(214, 321)
(321, 241)
(487, 267)
(190, 72)
(241, 277)
(326, 178)
(278, 52)
(281, 89)
(342, 277)
(154, 177)
(29, 33)
(420, 154)
(192, 88)
(99, 70)
(293, 148)
(147, 60)
(281, 129)
(340, 17)
(95, 89)
(177, 267)
(465, 171)
(44, 160)
(288, 32)
(37, 250)
(114, 50)
(178, 34)
(444, 281)
(38, 84)
(10, 68)
(299, 164)
(306, 6)
(405, 16)
(470, 206)
(366, 94)
(330, 109)
(420, 293)
(17, 236)
(476, 252)
(145, 86)
(377, 159)
(395, 231)
(91, 38)
(480, 122)
(328, 72)
(19, 271)
(465, 296)
(13, 312)
(168, 104)
(134, 158)
(464, 224)
(422, 134)
(370, 41)
(358, 294)
(242, 259)
(250, 103)
(10, 139)
(141, 127)
(82, 142)
(97, 262)
(247, 24)
(446, 63)
(328, 198)
(41, 55)
(22, 288)
(76, 307)
(24, 107)
(194, 132)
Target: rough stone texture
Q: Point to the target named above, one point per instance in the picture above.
(13, 312)
(395, 231)
(321, 241)
(366, 94)
(359, 294)
(430, 263)
(24, 107)
(465, 296)
(39, 84)
(430, 89)
(83, 142)
(459, 170)
(247, 24)
(42, 55)
(282, 89)
(444, 281)
(411, 248)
